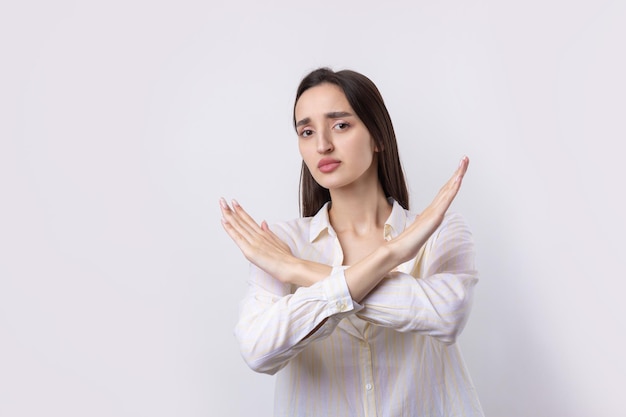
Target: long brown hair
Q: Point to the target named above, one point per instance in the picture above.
(368, 104)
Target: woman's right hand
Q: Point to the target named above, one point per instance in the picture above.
(257, 242)
(409, 242)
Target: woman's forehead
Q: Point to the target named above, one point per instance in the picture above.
(321, 99)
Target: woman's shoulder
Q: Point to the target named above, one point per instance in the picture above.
(293, 226)
(454, 217)
(453, 229)
(454, 225)
(294, 231)
(303, 230)
(450, 217)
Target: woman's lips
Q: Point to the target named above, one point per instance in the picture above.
(327, 165)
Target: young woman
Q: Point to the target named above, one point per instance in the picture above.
(358, 303)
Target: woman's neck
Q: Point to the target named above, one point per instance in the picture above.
(359, 212)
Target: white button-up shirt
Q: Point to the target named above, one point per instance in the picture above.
(393, 355)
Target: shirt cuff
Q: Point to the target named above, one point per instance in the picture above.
(338, 295)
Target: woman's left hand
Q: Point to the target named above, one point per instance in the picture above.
(408, 243)
(257, 242)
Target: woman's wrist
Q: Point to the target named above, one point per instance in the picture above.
(363, 276)
(305, 273)
(390, 255)
(405, 247)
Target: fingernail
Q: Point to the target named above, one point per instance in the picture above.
(235, 203)
(223, 203)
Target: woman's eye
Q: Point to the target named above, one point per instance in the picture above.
(341, 126)
(306, 132)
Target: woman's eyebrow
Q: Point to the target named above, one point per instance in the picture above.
(330, 115)
(304, 121)
(338, 114)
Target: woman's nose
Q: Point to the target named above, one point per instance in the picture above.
(324, 143)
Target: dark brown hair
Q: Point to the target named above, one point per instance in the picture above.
(368, 104)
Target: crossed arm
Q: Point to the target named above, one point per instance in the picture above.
(276, 324)
(265, 250)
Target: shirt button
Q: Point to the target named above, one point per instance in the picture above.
(368, 387)
(341, 306)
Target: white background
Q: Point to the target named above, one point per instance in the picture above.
(123, 122)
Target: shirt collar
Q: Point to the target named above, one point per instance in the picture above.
(395, 224)
(320, 222)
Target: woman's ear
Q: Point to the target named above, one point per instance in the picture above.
(377, 148)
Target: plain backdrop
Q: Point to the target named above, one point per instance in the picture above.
(123, 122)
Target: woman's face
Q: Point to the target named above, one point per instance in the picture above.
(335, 145)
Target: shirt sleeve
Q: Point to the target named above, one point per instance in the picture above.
(274, 323)
(431, 294)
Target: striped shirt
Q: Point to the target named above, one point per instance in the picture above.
(392, 355)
